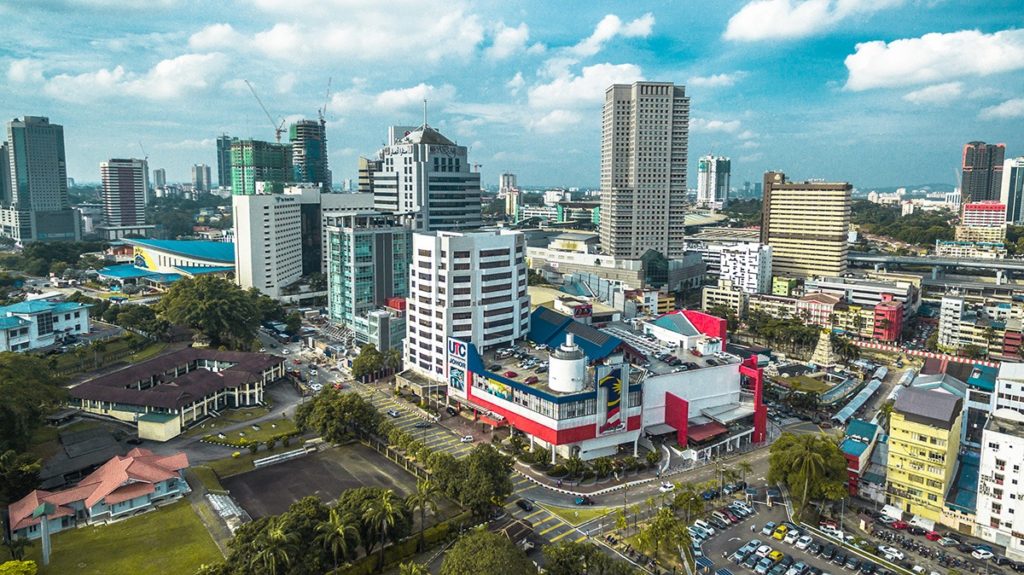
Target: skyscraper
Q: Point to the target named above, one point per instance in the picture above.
(37, 207)
(125, 186)
(201, 177)
(1012, 190)
(506, 182)
(159, 178)
(367, 168)
(982, 171)
(713, 182)
(427, 175)
(258, 161)
(309, 152)
(806, 225)
(643, 169)
(5, 175)
(224, 161)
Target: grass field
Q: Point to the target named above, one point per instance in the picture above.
(268, 430)
(577, 515)
(804, 383)
(234, 465)
(85, 358)
(171, 539)
(226, 418)
(45, 442)
(208, 476)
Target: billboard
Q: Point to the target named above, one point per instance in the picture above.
(611, 384)
(458, 374)
(499, 389)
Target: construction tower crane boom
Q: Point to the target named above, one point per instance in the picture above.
(327, 100)
(278, 127)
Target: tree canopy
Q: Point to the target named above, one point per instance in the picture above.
(487, 479)
(571, 558)
(811, 466)
(338, 416)
(28, 390)
(216, 307)
(920, 228)
(486, 552)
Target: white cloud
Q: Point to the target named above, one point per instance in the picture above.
(25, 70)
(746, 135)
(749, 145)
(702, 125)
(609, 27)
(404, 98)
(168, 79)
(555, 121)
(571, 91)
(935, 94)
(783, 19)
(715, 80)
(516, 83)
(203, 144)
(508, 41)
(1008, 110)
(285, 82)
(216, 36)
(934, 58)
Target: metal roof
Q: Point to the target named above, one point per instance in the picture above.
(929, 407)
(858, 401)
(196, 249)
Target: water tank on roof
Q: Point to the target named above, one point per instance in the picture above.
(567, 368)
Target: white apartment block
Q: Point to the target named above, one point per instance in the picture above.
(644, 135)
(429, 177)
(748, 267)
(1010, 386)
(34, 324)
(866, 292)
(713, 182)
(950, 312)
(1000, 517)
(280, 237)
(470, 286)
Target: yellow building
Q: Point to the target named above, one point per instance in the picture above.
(806, 224)
(855, 320)
(924, 440)
(724, 294)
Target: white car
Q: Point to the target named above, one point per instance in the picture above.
(804, 542)
(890, 552)
(285, 351)
(792, 536)
(832, 532)
(982, 554)
(666, 487)
(316, 387)
(704, 525)
(763, 551)
(467, 439)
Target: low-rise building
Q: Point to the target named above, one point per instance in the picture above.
(974, 250)
(159, 263)
(724, 294)
(857, 446)
(167, 394)
(1000, 485)
(994, 327)
(35, 324)
(817, 308)
(867, 292)
(773, 305)
(121, 487)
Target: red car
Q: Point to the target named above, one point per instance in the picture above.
(899, 525)
(531, 380)
(932, 536)
(510, 374)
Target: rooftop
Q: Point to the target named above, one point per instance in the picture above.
(928, 407)
(1007, 421)
(41, 306)
(861, 428)
(726, 234)
(425, 135)
(196, 249)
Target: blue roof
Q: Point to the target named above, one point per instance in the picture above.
(65, 306)
(983, 377)
(197, 249)
(853, 447)
(125, 272)
(549, 327)
(677, 323)
(859, 400)
(163, 278)
(963, 496)
(200, 270)
(40, 306)
(861, 428)
(12, 322)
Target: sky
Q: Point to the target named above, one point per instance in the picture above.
(874, 92)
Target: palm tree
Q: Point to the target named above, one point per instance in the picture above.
(885, 413)
(382, 514)
(275, 546)
(336, 532)
(426, 497)
(412, 568)
(812, 463)
(744, 468)
(688, 500)
(574, 466)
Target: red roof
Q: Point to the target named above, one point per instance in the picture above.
(705, 431)
(119, 479)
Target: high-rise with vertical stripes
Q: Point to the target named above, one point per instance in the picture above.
(125, 186)
(644, 135)
(982, 171)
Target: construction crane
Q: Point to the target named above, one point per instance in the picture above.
(278, 127)
(145, 156)
(327, 100)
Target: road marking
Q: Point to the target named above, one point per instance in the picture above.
(550, 529)
(580, 539)
(561, 535)
(535, 513)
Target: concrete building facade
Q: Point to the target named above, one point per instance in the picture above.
(748, 267)
(1011, 192)
(125, 188)
(255, 161)
(713, 182)
(982, 171)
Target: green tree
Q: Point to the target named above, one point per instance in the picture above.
(688, 500)
(412, 568)
(486, 552)
(487, 479)
(382, 514)
(744, 468)
(653, 457)
(275, 549)
(810, 465)
(973, 351)
(602, 466)
(338, 535)
(571, 558)
(574, 466)
(214, 306)
(885, 413)
(447, 471)
(18, 567)
(392, 359)
(18, 547)
(28, 390)
(293, 323)
(368, 362)
(337, 416)
(19, 474)
(426, 497)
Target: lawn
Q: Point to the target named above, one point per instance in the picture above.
(171, 539)
(226, 418)
(148, 352)
(45, 442)
(577, 515)
(271, 429)
(86, 359)
(229, 466)
(804, 383)
(208, 477)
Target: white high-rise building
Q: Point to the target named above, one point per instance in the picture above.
(427, 175)
(1001, 482)
(280, 237)
(1010, 386)
(748, 267)
(125, 188)
(469, 286)
(950, 312)
(644, 135)
(713, 182)
(1011, 193)
(201, 178)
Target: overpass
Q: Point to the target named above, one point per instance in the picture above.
(1005, 265)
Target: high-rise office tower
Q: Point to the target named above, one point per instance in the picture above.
(224, 161)
(1012, 190)
(367, 168)
(643, 169)
(258, 161)
(309, 152)
(125, 188)
(159, 178)
(713, 182)
(201, 175)
(428, 176)
(982, 171)
(37, 207)
(806, 224)
(506, 182)
(5, 175)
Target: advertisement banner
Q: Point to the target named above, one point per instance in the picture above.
(499, 389)
(458, 353)
(612, 384)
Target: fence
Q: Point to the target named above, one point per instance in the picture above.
(397, 457)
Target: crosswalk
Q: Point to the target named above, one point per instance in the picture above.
(547, 527)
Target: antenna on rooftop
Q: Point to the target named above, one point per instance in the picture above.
(424, 112)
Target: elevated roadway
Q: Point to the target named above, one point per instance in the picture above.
(1005, 265)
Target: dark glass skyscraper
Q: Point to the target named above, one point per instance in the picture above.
(982, 171)
(224, 161)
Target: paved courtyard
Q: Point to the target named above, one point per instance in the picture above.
(269, 491)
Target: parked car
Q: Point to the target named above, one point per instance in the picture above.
(889, 551)
(705, 526)
(751, 561)
(798, 568)
(525, 505)
(780, 532)
(915, 530)
(709, 494)
(932, 536)
(584, 500)
(853, 563)
(776, 556)
(900, 525)
(763, 566)
(768, 528)
(804, 542)
(828, 552)
(947, 541)
(867, 568)
(792, 537)
(467, 439)
(422, 425)
(982, 554)
(510, 373)
(666, 487)
(531, 380)
(394, 413)
(763, 551)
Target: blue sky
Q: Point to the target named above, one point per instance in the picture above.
(875, 92)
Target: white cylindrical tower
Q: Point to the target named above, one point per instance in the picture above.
(567, 371)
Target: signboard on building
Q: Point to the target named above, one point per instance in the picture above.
(458, 372)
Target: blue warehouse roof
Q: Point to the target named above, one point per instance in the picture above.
(549, 327)
(200, 270)
(853, 447)
(197, 249)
